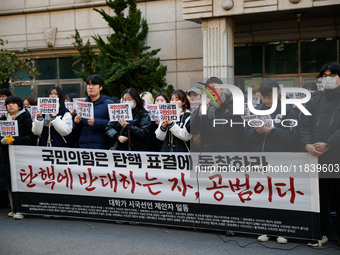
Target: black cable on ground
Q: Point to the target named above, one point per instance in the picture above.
(275, 248)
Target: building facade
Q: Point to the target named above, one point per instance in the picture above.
(242, 41)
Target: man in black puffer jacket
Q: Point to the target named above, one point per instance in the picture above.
(320, 136)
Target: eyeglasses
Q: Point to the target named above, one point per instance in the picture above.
(269, 99)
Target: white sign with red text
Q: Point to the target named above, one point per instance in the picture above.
(48, 105)
(9, 127)
(3, 108)
(84, 109)
(153, 111)
(69, 106)
(117, 111)
(170, 111)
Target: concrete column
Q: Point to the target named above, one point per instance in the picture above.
(218, 48)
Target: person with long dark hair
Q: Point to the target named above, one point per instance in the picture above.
(53, 128)
(176, 135)
(133, 135)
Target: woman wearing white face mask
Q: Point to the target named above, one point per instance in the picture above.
(131, 135)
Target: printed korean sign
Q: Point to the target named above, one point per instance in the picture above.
(9, 127)
(169, 188)
(33, 110)
(84, 109)
(259, 120)
(117, 111)
(194, 105)
(264, 120)
(169, 110)
(48, 105)
(3, 108)
(69, 106)
(256, 100)
(153, 111)
(320, 87)
(82, 99)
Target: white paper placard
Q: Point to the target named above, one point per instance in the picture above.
(169, 110)
(84, 109)
(194, 105)
(3, 108)
(69, 106)
(48, 105)
(117, 111)
(9, 127)
(153, 111)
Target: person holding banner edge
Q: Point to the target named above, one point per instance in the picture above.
(320, 136)
(15, 111)
(52, 129)
(133, 135)
(276, 139)
(92, 131)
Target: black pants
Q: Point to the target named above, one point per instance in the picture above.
(327, 187)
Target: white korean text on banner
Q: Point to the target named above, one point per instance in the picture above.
(117, 111)
(153, 111)
(9, 127)
(3, 108)
(169, 110)
(48, 105)
(170, 188)
(84, 109)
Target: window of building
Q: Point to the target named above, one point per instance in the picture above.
(47, 67)
(248, 60)
(66, 68)
(281, 58)
(316, 53)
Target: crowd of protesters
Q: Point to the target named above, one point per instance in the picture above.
(318, 134)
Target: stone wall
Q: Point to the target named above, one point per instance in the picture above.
(25, 24)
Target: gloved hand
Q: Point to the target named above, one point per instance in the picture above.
(7, 140)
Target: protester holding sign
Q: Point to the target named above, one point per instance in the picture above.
(156, 145)
(320, 136)
(28, 101)
(15, 111)
(53, 128)
(92, 130)
(133, 135)
(217, 138)
(176, 135)
(276, 138)
(69, 99)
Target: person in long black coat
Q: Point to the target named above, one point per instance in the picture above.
(15, 111)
